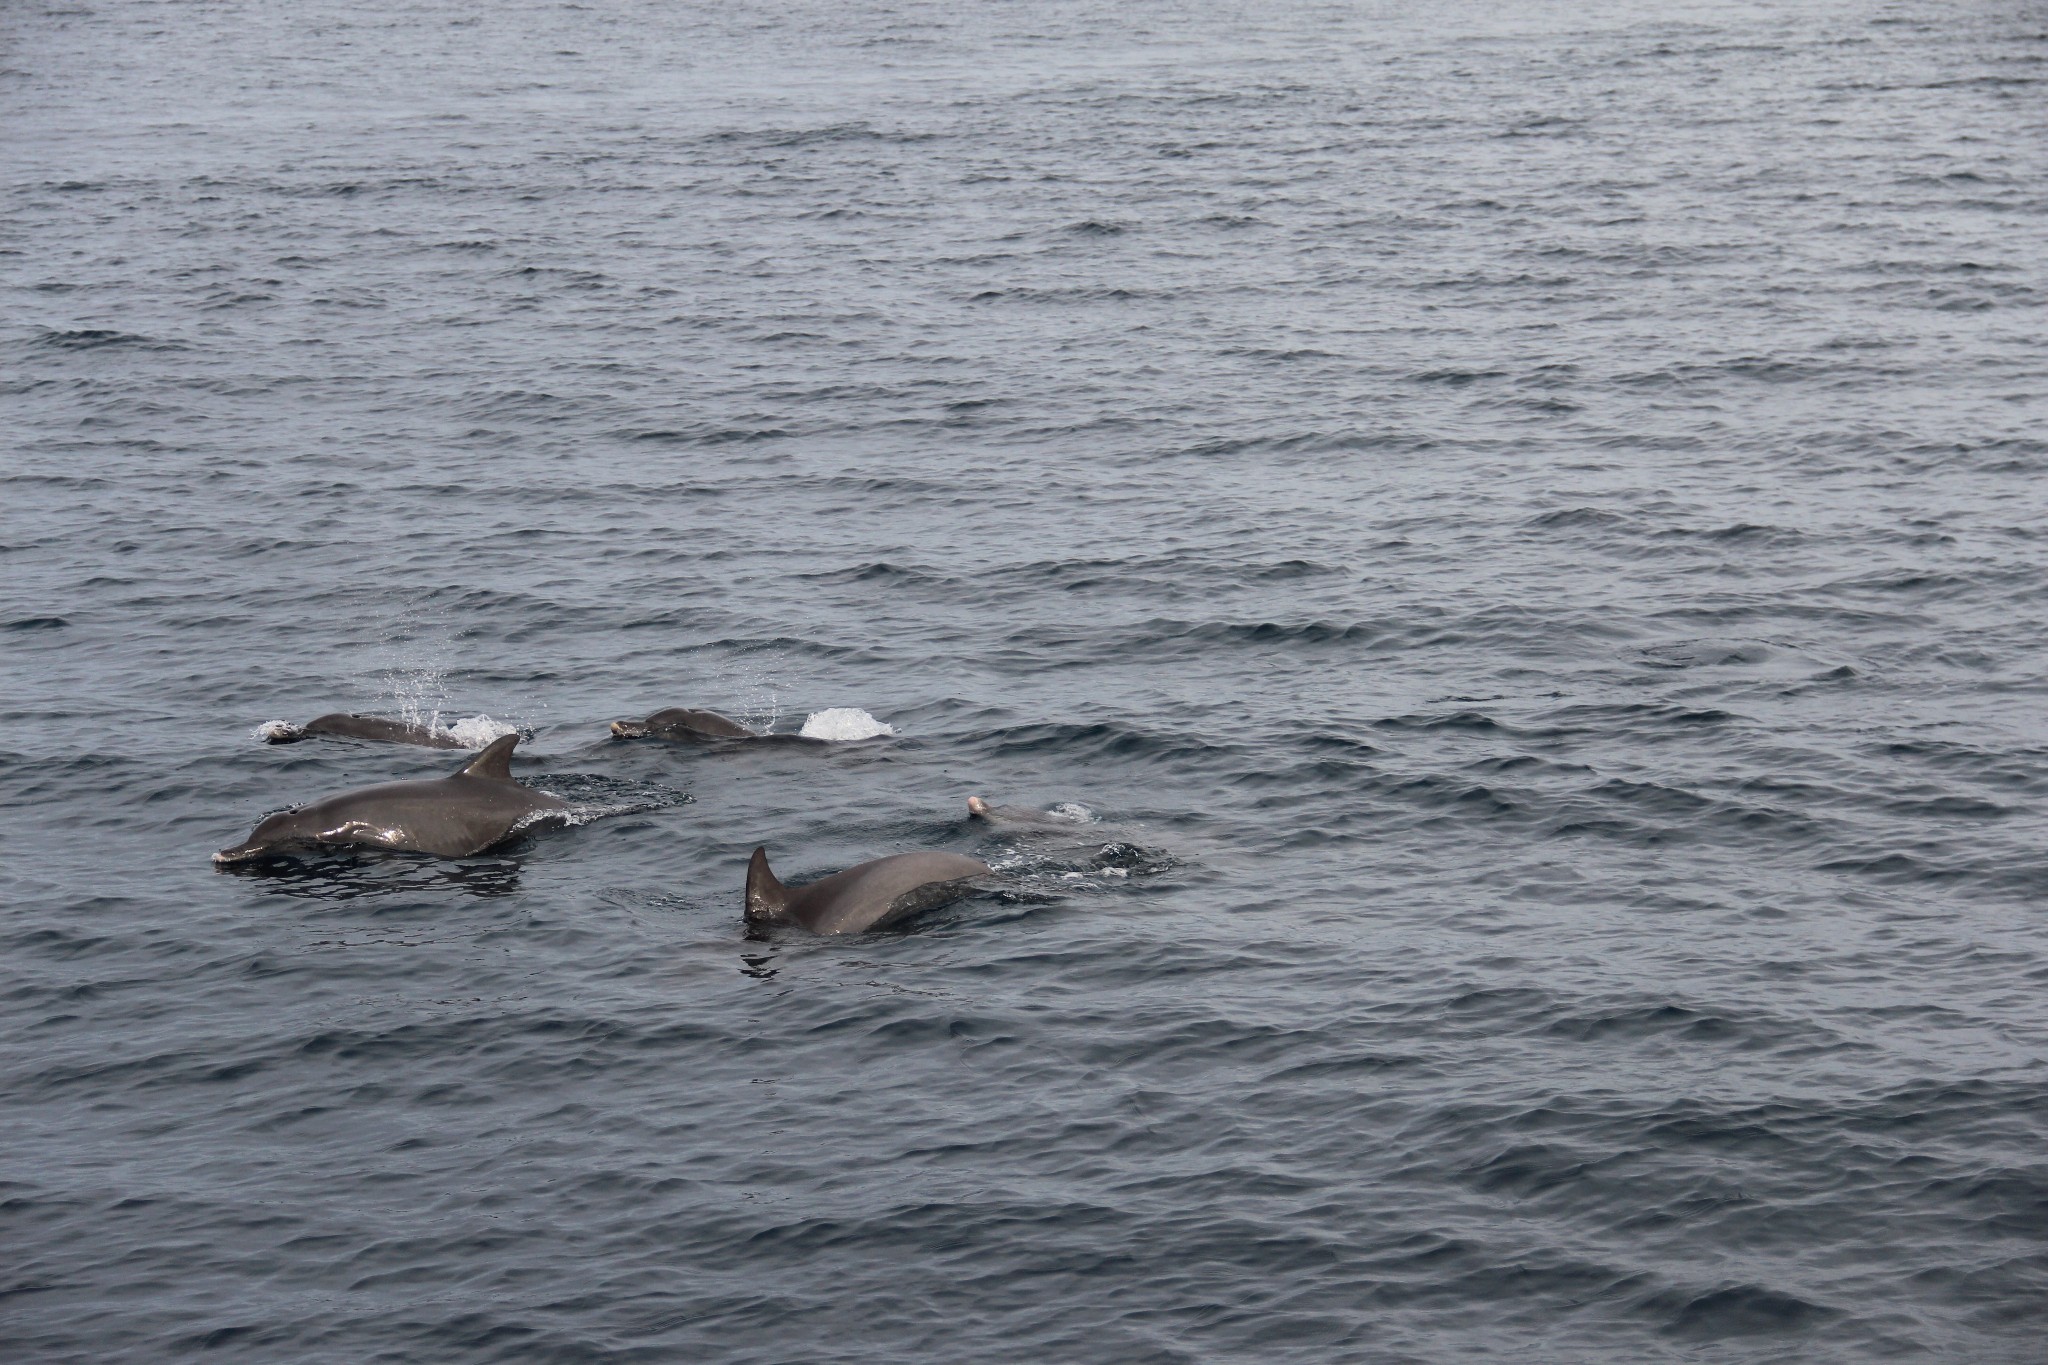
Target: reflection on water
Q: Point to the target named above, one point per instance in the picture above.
(350, 876)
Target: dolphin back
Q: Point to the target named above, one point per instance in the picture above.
(681, 722)
(474, 809)
(981, 809)
(377, 727)
(874, 895)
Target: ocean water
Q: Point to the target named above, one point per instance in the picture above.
(1518, 529)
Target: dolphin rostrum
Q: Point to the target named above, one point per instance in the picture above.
(472, 809)
(361, 727)
(680, 722)
(871, 895)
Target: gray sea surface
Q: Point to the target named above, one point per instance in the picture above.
(1520, 529)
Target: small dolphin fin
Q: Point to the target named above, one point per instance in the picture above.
(767, 898)
(494, 761)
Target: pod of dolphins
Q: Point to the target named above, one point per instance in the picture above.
(480, 806)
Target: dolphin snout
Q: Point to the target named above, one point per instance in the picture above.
(977, 806)
(624, 729)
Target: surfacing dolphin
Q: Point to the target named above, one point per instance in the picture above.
(473, 809)
(980, 809)
(680, 722)
(361, 727)
(871, 895)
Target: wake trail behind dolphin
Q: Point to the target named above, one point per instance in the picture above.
(594, 796)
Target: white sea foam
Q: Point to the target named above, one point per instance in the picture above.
(477, 732)
(844, 723)
(274, 731)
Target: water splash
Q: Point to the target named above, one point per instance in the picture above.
(843, 723)
(418, 694)
(1095, 866)
(477, 732)
(760, 706)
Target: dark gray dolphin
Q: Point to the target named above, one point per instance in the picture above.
(868, 896)
(680, 722)
(477, 806)
(362, 727)
(1020, 815)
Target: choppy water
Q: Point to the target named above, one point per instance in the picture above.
(1524, 523)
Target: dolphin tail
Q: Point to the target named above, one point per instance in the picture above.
(494, 761)
(767, 898)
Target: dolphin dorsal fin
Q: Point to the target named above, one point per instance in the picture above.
(494, 761)
(767, 898)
